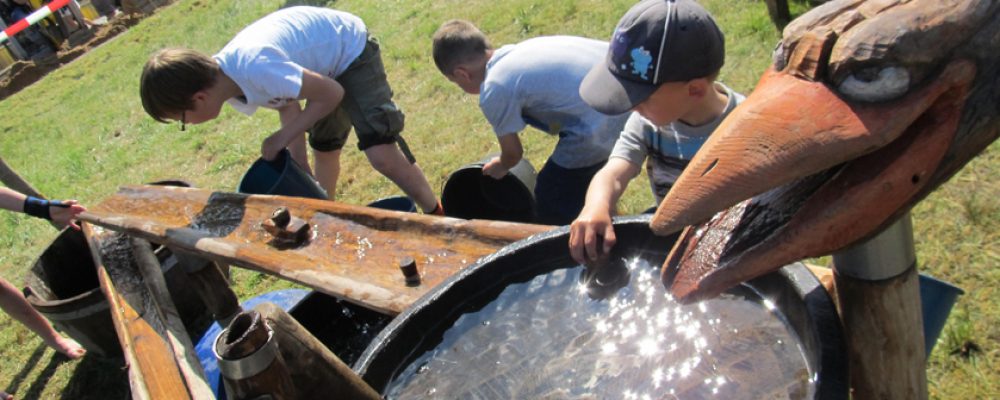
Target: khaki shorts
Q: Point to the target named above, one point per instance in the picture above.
(367, 105)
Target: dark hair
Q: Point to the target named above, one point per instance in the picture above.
(170, 79)
(456, 42)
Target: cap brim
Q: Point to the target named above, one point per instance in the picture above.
(609, 94)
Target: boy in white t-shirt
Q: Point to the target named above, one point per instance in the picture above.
(323, 56)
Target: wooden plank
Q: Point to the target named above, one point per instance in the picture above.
(175, 334)
(352, 251)
(161, 358)
(153, 372)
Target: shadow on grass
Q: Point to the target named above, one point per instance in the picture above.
(98, 378)
(29, 365)
(38, 386)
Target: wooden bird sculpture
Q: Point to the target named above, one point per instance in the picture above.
(868, 107)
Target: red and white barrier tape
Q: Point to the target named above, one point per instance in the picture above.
(31, 19)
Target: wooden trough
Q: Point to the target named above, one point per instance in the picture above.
(350, 252)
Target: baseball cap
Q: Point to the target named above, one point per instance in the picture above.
(656, 41)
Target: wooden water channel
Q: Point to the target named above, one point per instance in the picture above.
(349, 252)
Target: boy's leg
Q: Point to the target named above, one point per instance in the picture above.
(297, 148)
(327, 171)
(378, 123)
(14, 304)
(390, 161)
(327, 137)
(560, 193)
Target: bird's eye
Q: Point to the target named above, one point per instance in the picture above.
(876, 84)
(778, 56)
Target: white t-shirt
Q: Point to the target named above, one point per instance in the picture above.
(669, 148)
(537, 82)
(266, 59)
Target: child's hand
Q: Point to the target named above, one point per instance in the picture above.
(584, 234)
(272, 146)
(495, 169)
(65, 214)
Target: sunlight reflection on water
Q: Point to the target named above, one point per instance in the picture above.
(546, 338)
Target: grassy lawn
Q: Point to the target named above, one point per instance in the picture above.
(81, 132)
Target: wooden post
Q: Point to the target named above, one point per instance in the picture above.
(879, 298)
(778, 9)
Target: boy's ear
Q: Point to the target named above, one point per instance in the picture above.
(698, 88)
(461, 72)
(200, 95)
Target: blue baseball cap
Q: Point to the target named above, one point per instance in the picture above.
(656, 41)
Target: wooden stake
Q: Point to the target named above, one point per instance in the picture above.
(879, 298)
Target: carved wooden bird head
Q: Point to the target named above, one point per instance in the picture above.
(868, 107)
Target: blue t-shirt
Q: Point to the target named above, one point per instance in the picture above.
(536, 82)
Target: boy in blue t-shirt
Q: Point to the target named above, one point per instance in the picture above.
(534, 82)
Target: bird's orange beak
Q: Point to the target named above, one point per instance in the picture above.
(826, 172)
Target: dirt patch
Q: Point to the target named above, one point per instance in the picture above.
(23, 73)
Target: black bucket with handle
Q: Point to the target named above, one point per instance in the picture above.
(469, 194)
(281, 176)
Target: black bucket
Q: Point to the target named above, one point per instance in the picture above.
(469, 194)
(63, 287)
(395, 203)
(281, 176)
(801, 304)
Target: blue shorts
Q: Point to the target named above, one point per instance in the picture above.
(561, 192)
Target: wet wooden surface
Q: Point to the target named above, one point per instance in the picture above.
(352, 251)
(154, 371)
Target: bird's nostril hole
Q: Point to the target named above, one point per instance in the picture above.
(710, 167)
(915, 179)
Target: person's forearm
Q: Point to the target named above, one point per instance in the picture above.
(604, 192)
(11, 200)
(289, 113)
(299, 121)
(509, 159)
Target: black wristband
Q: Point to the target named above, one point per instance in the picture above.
(36, 207)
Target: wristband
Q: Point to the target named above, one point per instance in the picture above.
(36, 207)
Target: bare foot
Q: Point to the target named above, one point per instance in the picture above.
(69, 348)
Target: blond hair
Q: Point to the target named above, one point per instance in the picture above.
(171, 78)
(457, 42)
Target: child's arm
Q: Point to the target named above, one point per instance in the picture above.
(322, 96)
(286, 114)
(510, 154)
(595, 219)
(61, 213)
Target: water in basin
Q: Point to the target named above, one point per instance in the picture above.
(547, 338)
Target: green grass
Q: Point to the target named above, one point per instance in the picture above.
(81, 132)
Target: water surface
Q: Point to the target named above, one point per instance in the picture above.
(546, 338)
